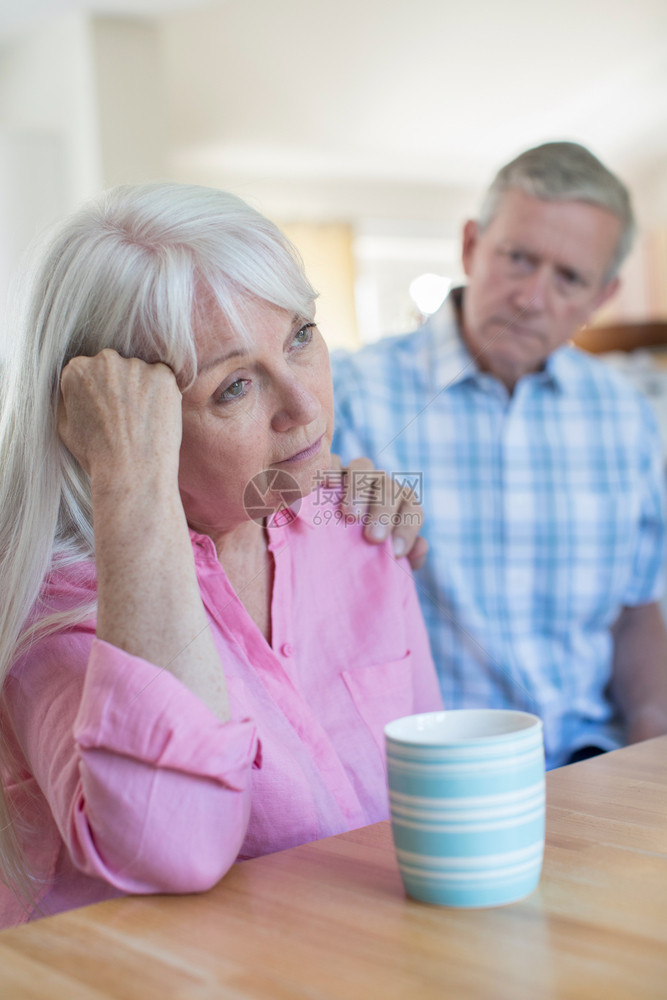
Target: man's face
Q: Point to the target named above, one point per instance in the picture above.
(536, 274)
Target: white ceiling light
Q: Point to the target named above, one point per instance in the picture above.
(428, 292)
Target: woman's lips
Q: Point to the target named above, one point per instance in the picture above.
(301, 456)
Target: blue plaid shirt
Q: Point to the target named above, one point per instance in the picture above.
(543, 512)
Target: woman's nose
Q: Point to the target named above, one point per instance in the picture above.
(297, 406)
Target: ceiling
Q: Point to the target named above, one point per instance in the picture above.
(403, 90)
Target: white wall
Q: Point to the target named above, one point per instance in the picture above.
(47, 87)
(48, 149)
(130, 106)
(81, 109)
(307, 119)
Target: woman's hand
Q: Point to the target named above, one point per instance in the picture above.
(121, 419)
(120, 416)
(372, 495)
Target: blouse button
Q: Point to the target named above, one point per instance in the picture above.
(286, 649)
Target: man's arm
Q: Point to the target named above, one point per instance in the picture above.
(639, 673)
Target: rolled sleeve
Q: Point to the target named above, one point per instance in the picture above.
(148, 789)
(162, 799)
(132, 708)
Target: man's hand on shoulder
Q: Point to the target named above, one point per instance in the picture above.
(383, 506)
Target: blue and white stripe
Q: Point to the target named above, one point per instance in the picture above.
(543, 512)
(467, 816)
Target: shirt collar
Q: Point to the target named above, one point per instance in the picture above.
(305, 512)
(560, 367)
(309, 510)
(302, 514)
(451, 361)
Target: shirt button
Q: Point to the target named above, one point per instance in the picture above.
(286, 649)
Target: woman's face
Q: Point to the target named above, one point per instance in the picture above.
(259, 402)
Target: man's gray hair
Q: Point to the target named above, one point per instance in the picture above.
(565, 171)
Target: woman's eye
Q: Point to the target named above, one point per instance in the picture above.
(304, 335)
(234, 391)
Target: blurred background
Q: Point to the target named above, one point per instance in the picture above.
(367, 129)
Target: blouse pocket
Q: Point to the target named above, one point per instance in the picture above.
(382, 693)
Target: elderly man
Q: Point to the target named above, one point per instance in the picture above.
(542, 469)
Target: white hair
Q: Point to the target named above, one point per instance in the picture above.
(565, 171)
(124, 272)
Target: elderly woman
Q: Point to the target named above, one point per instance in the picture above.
(183, 686)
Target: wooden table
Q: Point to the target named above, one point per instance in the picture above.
(330, 920)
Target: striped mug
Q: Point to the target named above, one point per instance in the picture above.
(466, 795)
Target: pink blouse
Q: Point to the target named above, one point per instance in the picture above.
(129, 784)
